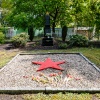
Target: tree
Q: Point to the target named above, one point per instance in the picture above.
(25, 14)
(57, 10)
(28, 12)
(64, 33)
(97, 19)
(84, 13)
(5, 5)
(92, 15)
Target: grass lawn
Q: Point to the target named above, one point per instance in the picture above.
(5, 57)
(61, 96)
(93, 54)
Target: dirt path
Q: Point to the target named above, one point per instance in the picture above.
(35, 45)
(5, 46)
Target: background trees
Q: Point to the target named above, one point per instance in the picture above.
(57, 10)
(30, 14)
(25, 14)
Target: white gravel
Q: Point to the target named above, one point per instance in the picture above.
(19, 72)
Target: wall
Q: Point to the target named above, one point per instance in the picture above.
(58, 31)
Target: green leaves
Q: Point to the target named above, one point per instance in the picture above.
(72, 13)
(2, 38)
(19, 40)
(78, 40)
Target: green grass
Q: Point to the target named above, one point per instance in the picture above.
(6, 57)
(58, 96)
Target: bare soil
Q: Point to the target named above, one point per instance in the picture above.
(35, 45)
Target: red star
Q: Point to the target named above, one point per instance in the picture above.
(48, 63)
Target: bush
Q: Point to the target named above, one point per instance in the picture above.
(31, 33)
(2, 38)
(40, 35)
(78, 40)
(3, 29)
(94, 44)
(20, 40)
(64, 33)
(62, 45)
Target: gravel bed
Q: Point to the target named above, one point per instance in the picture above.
(78, 73)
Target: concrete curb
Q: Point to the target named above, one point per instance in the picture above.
(48, 90)
(9, 62)
(90, 62)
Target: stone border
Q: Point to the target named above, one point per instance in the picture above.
(48, 89)
(9, 62)
(90, 62)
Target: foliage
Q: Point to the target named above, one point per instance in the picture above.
(19, 40)
(31, 13)
(94, 44)
(64, 33)
(25, 13)
(3, 29)
(57, 10)
(78, 40)
(40, 35)
(62, 45)
(2, 38)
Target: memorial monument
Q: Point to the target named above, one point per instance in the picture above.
(47, 39)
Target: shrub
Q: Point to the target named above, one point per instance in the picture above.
(19, 40)
(24, 35)
(54, 35)
(78, 40)
(31, 33)
(62, 45)
(64, 33)
(2, 38)
(3, 29)
(94, 44)
(40, 35)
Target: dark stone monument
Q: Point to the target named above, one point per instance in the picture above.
(47, 39)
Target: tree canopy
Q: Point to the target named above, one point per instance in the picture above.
(25, 13)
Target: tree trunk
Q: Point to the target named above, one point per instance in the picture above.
(31, 33)
(53, 27)
(64, 33)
